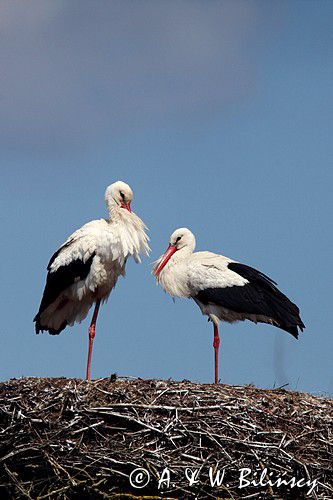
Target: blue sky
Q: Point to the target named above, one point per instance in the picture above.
(219, 115)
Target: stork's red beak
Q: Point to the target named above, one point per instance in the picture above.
(127, 206)
(166, 257)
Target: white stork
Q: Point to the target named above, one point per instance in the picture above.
(86, 267)
(223, 288)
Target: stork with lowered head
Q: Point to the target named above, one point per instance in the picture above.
(224, 289)
(86, 267)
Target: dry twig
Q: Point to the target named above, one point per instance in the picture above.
(64, 439)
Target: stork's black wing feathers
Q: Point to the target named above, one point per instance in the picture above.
(260, 296)
(57, 281)
(55, 255)
(250, 273)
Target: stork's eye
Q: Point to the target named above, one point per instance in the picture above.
(122, 195)
(179, 238)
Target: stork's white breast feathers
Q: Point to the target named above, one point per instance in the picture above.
(200, 270)
(108, 241)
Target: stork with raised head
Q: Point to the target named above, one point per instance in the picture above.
(224, 289)
(85, 269)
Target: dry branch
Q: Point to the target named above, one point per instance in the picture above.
(64, 439)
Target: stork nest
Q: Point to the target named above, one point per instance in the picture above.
(72, 439)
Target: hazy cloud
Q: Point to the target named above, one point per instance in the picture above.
(74, 71)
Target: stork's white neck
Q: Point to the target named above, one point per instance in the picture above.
(131, 231)
(173, 276)
(119, 214)
(181, 255)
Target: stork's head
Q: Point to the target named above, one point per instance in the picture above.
(119, 194)
(181, 240)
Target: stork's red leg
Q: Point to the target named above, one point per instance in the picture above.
(216, 345)
(92, 329)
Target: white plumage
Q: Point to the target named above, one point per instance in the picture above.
(86, 267)
(224, 289)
